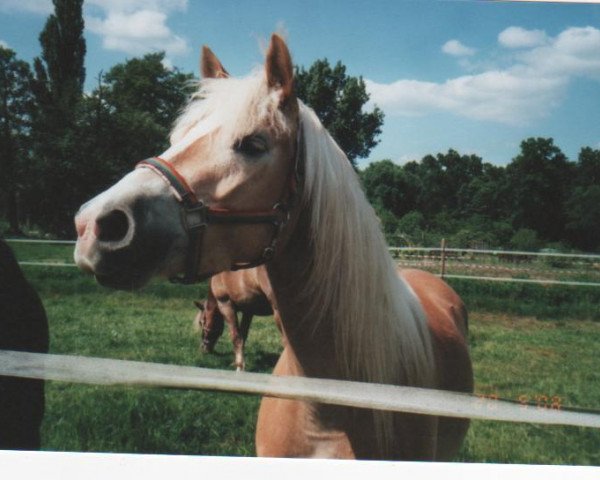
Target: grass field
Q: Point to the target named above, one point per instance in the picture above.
(527, 342)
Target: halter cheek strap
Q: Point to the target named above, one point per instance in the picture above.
(196, 216)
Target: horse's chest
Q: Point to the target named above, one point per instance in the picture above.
(289, 428)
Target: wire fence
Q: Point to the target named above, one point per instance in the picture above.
(544, 268)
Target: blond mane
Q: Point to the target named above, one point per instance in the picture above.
(380, 330)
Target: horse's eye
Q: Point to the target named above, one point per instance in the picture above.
(251, 146)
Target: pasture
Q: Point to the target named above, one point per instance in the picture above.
(529, 343)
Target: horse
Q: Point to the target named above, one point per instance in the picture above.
(252, 177)
(23, 327)
(246, 291)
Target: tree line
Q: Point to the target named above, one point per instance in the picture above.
(59, 146)
(539, 199)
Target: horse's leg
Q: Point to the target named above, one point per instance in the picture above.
(244, 329)
(277, 320)
(230, 315)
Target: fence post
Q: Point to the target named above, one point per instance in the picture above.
(443, 257)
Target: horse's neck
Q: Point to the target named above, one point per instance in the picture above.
(309, 337)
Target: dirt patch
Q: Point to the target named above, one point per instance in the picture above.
(516, 323)
(511, 321)
(543, 352)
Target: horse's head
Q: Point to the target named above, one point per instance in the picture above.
(210, 322)
(217, 198)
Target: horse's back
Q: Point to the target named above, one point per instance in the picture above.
(447, 321)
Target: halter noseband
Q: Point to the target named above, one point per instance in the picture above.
(197, 215)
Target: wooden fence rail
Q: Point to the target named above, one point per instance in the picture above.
(102, 371)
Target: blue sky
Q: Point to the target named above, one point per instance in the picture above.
(475, 76)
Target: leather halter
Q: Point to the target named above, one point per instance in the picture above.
(197, 215)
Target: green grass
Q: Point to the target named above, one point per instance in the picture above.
(39, 252)
(547, 363)
(521, 348)
(152, 325)
(552, 302)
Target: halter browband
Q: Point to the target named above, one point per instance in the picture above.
(197, 215)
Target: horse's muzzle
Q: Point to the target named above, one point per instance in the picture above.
(124, 238)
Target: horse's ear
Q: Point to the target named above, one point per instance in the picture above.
(200, 305)
(210, 66)
(279, 68)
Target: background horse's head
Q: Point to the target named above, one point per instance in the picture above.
(210, 322)
(234, 148)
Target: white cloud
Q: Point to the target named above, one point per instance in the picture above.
(498, 96)
(130, 26)
(574, 52)
(134, 5)
(457, 49)
(3, 44)
(136, 26)
(517, 37)
(522, 92)
(43, 7)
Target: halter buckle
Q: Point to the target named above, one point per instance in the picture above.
(195, 216)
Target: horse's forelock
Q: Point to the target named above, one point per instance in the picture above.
(235, 106)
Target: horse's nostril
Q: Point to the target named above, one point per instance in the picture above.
(112, 226)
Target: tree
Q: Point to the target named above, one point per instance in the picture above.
(135, 106)
(145, 85)
(60, 72)
(486, 194)
(428, 174)
(458, 172)
(16, 104)
(442, 180)
(583, 217)
(386, 185)
(58, 87)
(526, 240)
(410, 228)
(480, 231)
(540, 178)
(582, 212)
(339, 100)
(587, 171)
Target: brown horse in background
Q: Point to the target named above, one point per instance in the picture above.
(273, 187)
(245, 291)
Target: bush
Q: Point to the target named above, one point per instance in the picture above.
(526, 240)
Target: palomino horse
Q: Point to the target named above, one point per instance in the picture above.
(253, 177)
(246, 291)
